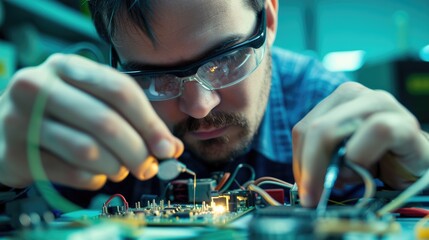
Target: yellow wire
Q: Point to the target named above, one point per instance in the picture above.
(370, 188)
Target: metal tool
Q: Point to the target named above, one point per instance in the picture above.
(171, 168)
(331, 177)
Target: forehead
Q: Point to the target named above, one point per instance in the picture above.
(184, 30)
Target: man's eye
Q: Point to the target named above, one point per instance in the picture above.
(165, 85)
(143, 81)
(233, 59)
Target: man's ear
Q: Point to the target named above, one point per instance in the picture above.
(272, 7)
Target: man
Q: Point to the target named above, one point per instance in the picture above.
(206, 71)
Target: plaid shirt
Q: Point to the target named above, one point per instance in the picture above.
(298, 84)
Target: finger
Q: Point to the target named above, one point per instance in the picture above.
(77, 109)
(32, 81)
(96, 119)
(78, 149)
(328, 130)
(149, 168)
(372, 140)
(393, 141)
(14, 125)
(45, 164)
(122, 93)
(16, 134)
(62, 173)
(14, 167)
(336, 124)
(315, 159)
(346, 92)
(26, 89)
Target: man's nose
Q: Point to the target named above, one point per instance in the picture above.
(196, 101)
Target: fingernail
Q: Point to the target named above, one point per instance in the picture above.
(121, 175)
(179, 150)
(164, 149)
(97, 182)
(151, 168)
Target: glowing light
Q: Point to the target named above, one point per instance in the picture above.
(219, 209)
(344, 61)
(213, 69)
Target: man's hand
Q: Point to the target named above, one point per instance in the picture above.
(385, 138)
(97, 124)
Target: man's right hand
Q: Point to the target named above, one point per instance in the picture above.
(97, 124)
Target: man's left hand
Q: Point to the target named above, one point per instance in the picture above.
(384, 137)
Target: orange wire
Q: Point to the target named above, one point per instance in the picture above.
(222, 181)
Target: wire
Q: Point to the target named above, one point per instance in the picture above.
(274, 183)
(331, 176)
(41, 180)
(263, 179)
(411, 191)
(349, 200)
(117, 195)
(17, 193)
(336, 203)
(370, 187)
(412, 212)
(264, 195)
(222, 181)
(239, 185)
(234, 175)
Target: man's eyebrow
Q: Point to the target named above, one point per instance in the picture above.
(232, 40)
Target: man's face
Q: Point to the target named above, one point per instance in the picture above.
(214, 125)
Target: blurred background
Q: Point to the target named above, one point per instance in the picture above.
(383, 44)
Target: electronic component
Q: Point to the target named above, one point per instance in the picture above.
(277, 194)
(216, 204)
(171, 168)
(294, 196)
(221, 209)
(203, 190)
(240, 200)
(181, 191)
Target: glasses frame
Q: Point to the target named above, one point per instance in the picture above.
(256, 41)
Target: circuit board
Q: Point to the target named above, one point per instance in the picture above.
(221, 210)
(181, 215)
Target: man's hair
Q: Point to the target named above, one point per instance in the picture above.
(108, 15)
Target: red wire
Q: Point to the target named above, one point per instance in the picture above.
(412, 212)
(117, 195)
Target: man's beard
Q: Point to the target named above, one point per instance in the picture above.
(219, 150)
(211, 150)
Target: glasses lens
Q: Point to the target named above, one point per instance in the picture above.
(230, 69)
(159, 87)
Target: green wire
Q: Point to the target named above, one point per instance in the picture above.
(41, 181)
